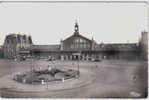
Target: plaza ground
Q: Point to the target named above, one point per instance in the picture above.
(112, 78)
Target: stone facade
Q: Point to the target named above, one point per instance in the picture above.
(144, 45)
(76, 44)
(15, 44)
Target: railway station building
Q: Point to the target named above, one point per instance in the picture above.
(75, 47)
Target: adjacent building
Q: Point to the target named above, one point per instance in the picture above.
(144, 45)
(16, 45)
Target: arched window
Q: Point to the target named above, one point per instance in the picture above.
(77, 40)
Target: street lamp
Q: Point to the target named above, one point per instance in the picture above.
(78, 67)
(32, 66)
(79, 57)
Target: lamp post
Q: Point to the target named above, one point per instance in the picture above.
(32, 66)
(79, 57)
(78, 67)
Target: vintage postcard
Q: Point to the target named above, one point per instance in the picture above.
(74, 49)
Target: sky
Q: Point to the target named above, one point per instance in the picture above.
(47, 23)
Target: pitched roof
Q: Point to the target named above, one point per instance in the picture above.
(72, 36)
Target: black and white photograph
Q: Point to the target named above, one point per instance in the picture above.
(74, 49)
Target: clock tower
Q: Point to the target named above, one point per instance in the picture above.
(76, 29)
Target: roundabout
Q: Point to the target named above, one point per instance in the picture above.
(43, 81)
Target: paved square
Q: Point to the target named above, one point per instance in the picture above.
(113, 78)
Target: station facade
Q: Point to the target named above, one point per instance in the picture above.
(74, 47)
